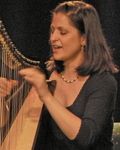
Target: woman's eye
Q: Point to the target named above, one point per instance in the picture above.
(63, 33)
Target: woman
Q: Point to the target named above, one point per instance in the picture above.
(77, 112)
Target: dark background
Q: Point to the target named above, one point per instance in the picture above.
(27, 23)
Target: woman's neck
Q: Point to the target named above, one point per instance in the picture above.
(70, 70)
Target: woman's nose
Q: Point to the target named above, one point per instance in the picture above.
(54, 37)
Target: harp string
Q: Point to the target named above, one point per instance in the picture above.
(11, 61)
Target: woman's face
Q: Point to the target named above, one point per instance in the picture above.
(65, 39)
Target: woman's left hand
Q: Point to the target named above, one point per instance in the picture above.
(37, 79)
(50, 64)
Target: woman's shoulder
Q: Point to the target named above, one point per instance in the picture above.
(101, 83)
(105, 79)
(105, 76)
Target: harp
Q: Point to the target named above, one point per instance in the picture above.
(19, 114)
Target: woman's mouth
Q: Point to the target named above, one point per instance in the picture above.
(55, 48)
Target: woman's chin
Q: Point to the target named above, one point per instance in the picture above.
(57, 58)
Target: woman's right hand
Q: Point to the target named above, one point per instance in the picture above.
(5, 89)
(6, 86)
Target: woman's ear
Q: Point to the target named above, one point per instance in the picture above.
(83, 40)
(83, 43)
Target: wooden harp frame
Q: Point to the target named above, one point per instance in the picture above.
(12, 130)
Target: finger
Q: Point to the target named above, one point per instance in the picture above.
(3, 93)
(23, 72)
(49, 62)
(48, 65)
(3, 85)
(9, 86)
(31, 72)
(13, 82)
(49, 68)
(27, 71)
(3, 82)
